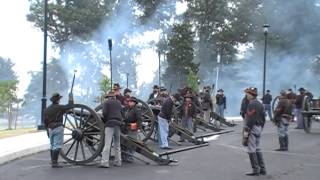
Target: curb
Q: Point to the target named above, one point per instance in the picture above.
(17, 147)
(23, 153)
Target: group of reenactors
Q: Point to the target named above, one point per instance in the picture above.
(120, 115)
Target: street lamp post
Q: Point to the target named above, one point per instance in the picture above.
(110, 49)
(217, 76)
(265, 30)
(44, 78)
(127, 80)
(159, 56)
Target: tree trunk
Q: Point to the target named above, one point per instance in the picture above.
(9, 118)
(17, 115)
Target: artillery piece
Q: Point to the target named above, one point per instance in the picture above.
(84, 135)
(310, 113)
(176, 128)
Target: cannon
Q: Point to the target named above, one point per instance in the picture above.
(222, 120)
(148, 119)
(84, 136)
(175, 126)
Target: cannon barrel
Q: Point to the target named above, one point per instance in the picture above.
(221, 119)
(213, 133)
(166, 153)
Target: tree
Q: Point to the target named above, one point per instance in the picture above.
(192, 81)
(77, 28)
(105, 85)
(179, 56)
(7, 98)
(68, 19)
(8, 89)
(220, 25)
(6, 71)
(56, 82)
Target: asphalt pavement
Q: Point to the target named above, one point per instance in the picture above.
(224, 159)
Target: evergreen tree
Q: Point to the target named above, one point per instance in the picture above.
(179, 56)
(8, 89)
(56, 82)
(6, 71)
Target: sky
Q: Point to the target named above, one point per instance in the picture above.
(20, 41)
(23, 44)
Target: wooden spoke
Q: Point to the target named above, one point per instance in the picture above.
(67, 141)
(85, 121)
(91, 133)
(68, 128)
(90, 126)
(89, 139)
(95, 138)
(70, 148)
(88, 146)
(76, 152)
(82, 150)
(74, 127)
(74, 117)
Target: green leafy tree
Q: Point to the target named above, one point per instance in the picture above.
(179, 56)
(68, 19)
(6, 71)
(8, 89)
(192, 81)
(105, 85)
(73, 26)
(8, 97)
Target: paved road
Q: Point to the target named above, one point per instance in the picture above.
(224, 159)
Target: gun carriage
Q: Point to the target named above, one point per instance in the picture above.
(84, 136)
(84, 133)
(310, 113)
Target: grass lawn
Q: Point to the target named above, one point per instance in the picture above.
(16, 132)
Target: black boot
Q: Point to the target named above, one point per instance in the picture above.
(55, 157)
(282, 144)
(261, 163)
(286, 143)
(254, 164)
(51, 156)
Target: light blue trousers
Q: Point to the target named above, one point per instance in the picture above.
(56, 137)
(283, 127)
(163, 129)
(254, 139)
(220, 110)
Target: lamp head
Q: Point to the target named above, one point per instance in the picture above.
(265, 28)
(110, 44)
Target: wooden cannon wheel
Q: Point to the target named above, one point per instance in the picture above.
(83, 134)
(147, 116)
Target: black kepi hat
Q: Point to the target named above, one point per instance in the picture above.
(55, 97)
